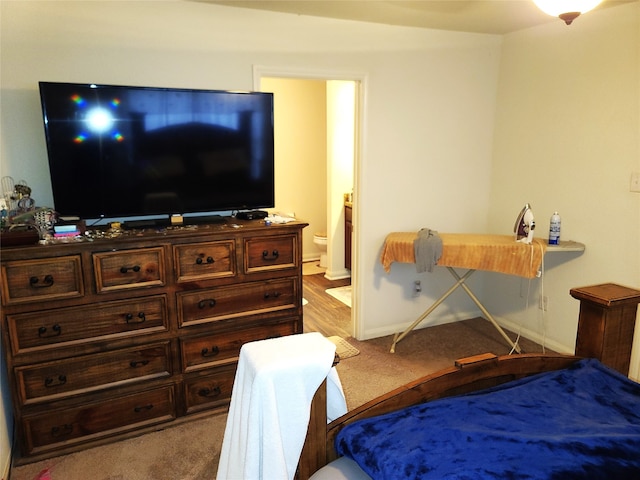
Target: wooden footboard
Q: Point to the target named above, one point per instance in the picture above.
(605, 331)
(467, 375)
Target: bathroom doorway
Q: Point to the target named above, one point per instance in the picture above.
(317, 120)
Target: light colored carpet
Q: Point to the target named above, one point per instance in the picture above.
(343, 348)
(191, 451)
(342, 294)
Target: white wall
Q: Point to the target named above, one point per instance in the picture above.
(426, 163)
(567, 139)
(431, 103)
(428, 108)
(341, 138)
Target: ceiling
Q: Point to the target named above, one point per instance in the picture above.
(480, 16)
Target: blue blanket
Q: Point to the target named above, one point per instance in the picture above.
(579, 423)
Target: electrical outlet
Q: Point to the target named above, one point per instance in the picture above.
(543, 303)
(635, 182)
(417, 288)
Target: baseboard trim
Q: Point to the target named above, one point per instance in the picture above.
(534, 336)
(434, 320)
(339, 275)
(310, 257)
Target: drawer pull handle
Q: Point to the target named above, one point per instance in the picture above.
(57, 331)
(210, 353)
(210, 260)
(138, 363)
(274, 255)
(210, 302)
(140, 318)
(210, 392)
(143, 408)
(47, 281)
(53, 382)
(269, 295)
(62, 431)
(135, 268)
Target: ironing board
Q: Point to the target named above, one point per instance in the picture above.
(494, 253)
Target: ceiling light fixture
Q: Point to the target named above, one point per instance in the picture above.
(567, 10)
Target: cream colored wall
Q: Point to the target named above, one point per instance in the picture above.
(567, 139)
(427, 149)
(301, 153)
(341, 136)
(314, 130)
(426, 90)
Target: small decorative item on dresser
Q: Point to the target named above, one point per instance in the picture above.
(19, 235)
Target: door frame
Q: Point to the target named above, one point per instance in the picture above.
(360, 80)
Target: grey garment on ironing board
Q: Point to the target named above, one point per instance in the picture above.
(427, 250)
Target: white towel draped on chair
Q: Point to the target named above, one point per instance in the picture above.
(270, 405)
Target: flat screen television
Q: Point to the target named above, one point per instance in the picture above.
(125, 151)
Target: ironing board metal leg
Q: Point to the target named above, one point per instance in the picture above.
(427, 312)
(459, 283)
(515, 346)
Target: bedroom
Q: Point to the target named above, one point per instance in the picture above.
(549, 115)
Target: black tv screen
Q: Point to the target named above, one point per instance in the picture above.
(124, 151)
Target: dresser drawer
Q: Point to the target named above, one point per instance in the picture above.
(43, 279)
(127, 269)
(210, 391)
(202, 261)
(215, 304)
(224, 348)
(47, 381)
(266, 253)
(93, 421)
(48, 329)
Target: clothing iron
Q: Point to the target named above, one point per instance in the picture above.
(525, 225)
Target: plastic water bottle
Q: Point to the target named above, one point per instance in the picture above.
(554, 229)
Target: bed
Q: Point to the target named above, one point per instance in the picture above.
(532, 416)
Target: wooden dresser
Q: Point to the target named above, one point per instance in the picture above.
(113, 337)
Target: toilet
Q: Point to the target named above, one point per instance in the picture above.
(320, 239)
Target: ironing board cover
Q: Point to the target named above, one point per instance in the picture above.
(494, 253)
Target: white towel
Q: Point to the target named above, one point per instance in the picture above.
(336, 401)
(270, 405)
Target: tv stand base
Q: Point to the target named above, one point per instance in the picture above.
(154, 223)
(252, 215)
(168, 222)
(203, 219)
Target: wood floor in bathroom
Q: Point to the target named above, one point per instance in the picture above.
(323, 313)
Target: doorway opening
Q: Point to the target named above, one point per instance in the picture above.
(317, 118)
